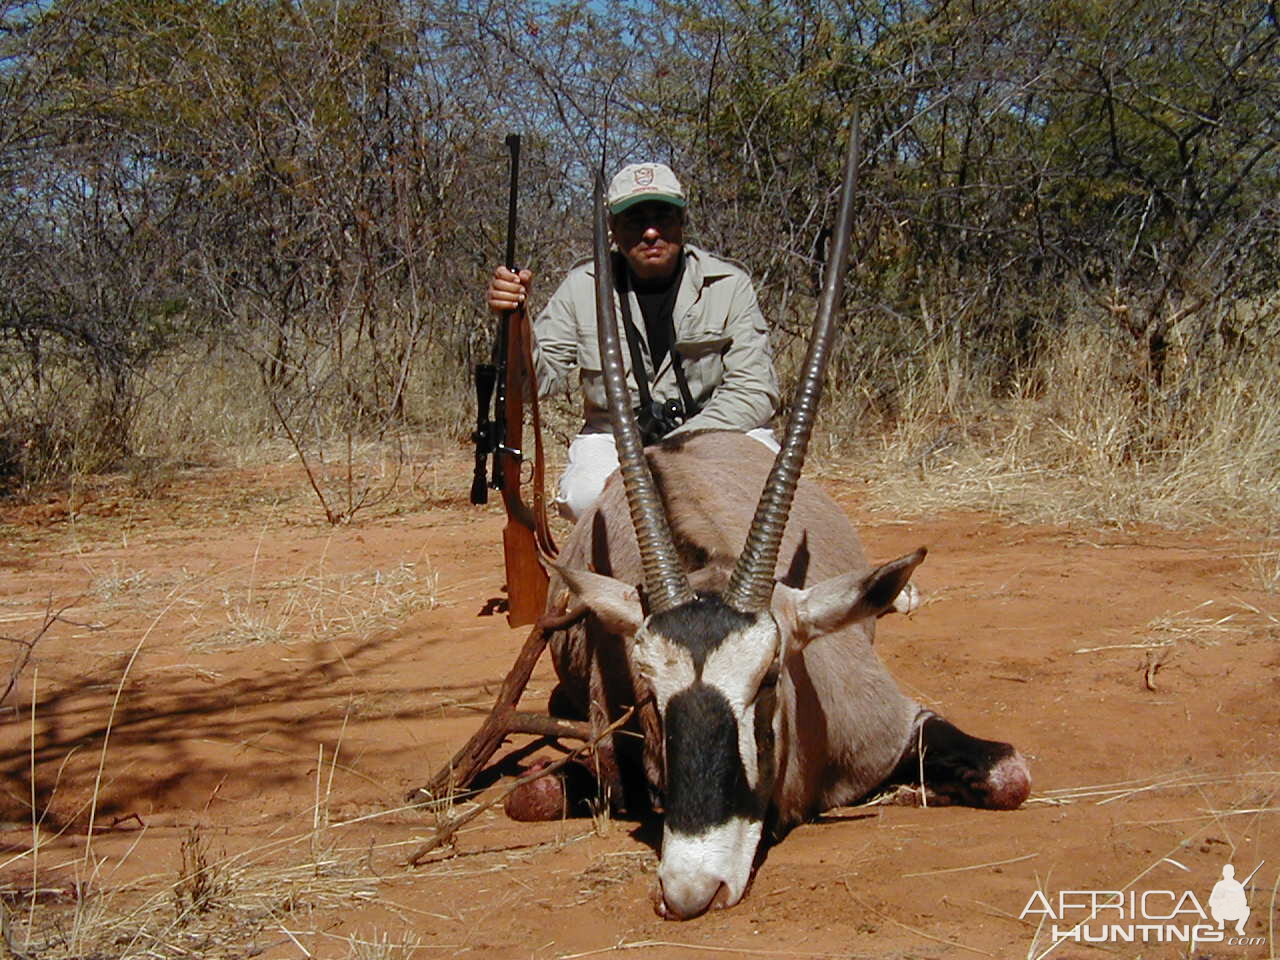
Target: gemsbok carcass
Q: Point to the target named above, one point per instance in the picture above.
(767, 702)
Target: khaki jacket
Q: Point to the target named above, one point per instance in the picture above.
(720, 335)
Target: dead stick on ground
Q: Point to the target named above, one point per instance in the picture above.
(27, 647)
(1154, 661)
(445, 833)
(504, 719)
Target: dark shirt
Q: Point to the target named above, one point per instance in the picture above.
(657, 303)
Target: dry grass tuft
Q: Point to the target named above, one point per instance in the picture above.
(215, 906)
(1189, 626)
(1265, 569)
(380, 946)
(319, 607)
(201, 885)
(1072, 440)
(120, 585)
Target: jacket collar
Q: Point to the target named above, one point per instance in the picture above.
(703, 265)
(700, 268)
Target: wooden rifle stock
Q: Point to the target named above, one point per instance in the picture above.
(526, 579)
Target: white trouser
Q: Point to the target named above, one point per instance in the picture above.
(592, 457)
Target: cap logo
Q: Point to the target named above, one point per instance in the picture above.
(638, 182)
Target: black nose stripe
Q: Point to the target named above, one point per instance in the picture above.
(706, 781)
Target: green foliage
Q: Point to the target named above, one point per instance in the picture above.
(318, 186)
(1129, 152)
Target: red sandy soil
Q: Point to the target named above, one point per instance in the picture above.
(227, 662)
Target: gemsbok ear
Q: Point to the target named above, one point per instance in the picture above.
(828, 606)
(616, 604)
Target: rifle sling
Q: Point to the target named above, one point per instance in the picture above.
(547, 548)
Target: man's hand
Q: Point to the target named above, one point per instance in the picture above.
(508, 290)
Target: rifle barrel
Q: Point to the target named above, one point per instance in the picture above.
(501, 429)
(513, 144)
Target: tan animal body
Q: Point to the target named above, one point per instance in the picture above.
(731, 604)
(840, 728)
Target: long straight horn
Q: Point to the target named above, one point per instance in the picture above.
(751, 586)
(664, 579)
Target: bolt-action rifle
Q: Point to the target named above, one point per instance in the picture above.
(508, 381)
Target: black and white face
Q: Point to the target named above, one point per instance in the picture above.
(713, 672)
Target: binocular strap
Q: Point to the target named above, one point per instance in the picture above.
(637, 358)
